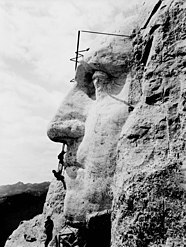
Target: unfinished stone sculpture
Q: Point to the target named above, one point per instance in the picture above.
(124, 126)
(90, 121)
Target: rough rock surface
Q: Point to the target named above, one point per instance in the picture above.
(124, 125)
(20, 202)
(31, 233)
(149, 198)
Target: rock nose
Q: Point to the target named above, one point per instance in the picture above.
(62, 130)
(68, 122)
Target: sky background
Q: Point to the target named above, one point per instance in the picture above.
(38, 37)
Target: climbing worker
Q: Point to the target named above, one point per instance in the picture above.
(60, 177)
(61, 155)
(49, 225)
(59, 174)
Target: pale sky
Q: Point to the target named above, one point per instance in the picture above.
(38, 37)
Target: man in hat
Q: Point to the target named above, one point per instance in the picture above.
(61, 158)
(60, 177)
(49, 225)
(59, 174)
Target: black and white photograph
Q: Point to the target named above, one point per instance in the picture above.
(93, 123)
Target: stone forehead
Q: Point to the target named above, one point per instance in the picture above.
(110, 54)
(111, 51)
(107, 47)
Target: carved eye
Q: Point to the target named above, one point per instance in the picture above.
(100, 75)
(107, 82)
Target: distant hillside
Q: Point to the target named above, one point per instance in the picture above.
(20, 202)
(14, 189)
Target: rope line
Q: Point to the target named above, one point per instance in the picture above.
(111, 34)
(121, 100)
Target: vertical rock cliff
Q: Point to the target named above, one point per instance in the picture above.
(124, 126)
(150, 181)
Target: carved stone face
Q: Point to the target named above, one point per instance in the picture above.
(89, 120)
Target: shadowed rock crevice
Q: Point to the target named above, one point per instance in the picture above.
(155, 9)
(146, 51)
(99, 231)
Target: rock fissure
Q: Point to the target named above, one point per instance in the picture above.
(155, 9)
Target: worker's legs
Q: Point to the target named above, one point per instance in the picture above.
(48, 239)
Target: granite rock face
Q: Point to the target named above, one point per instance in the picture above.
(124, 126)
(149, 198)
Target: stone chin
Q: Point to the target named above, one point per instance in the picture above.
(80, 200)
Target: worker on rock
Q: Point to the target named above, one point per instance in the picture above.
(61, 158)
(49, 225)
(60, 177)
(59, 174)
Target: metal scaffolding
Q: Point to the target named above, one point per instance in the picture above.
(79, 55)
